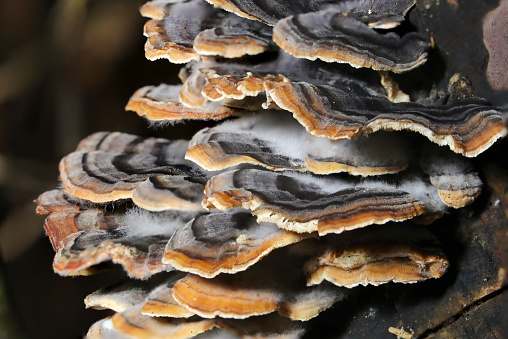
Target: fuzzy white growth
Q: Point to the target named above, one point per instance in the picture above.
(334, 184)
(141, 223)
(449, 164)
(118, 299)
(164, 92)
(415, 186)
(263, 230)
(104, 329)
(425, 193)
(287, 137)
(306, 305)
(451, 171)
(331, 295)
(462, 181)
(107, 327)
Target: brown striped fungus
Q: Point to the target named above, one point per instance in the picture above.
(318, 182)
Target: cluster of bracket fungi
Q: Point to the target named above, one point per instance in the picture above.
(263, 221)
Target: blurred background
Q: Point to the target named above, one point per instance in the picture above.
(67, 69)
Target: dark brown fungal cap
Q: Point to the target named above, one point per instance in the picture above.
(237, 80)
(224, 242)
(63, 218)
(468, 126)
(193, 28)
(161, 103)
(404, 252)
(380, 14)
(151, 172)
(329, 36)
(84, 236)
(272, 285)
(305, 203)
(159, 46)
(172, 37)
(278, 142)
(377, 13)
(136, 240)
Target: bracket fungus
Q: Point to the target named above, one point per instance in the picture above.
(329, 201)
(126, 294)
(224, 242)
(132, 324)
(150, 171)
(305, 203)
(267, 287)
(235, 79)
(468, 126)
(160, 302)
(84, 235)
(395, 252)
(278, 142)
(161, 104)
(186, 30)
(456, 181)
(376, 14)
(332, 37)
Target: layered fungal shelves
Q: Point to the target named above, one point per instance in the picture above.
(339, 155)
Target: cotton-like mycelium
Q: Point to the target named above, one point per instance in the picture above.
(259, 225)
(278, 142)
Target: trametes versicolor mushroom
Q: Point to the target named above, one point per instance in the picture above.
(173, 212)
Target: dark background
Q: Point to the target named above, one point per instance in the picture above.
(67, 69)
